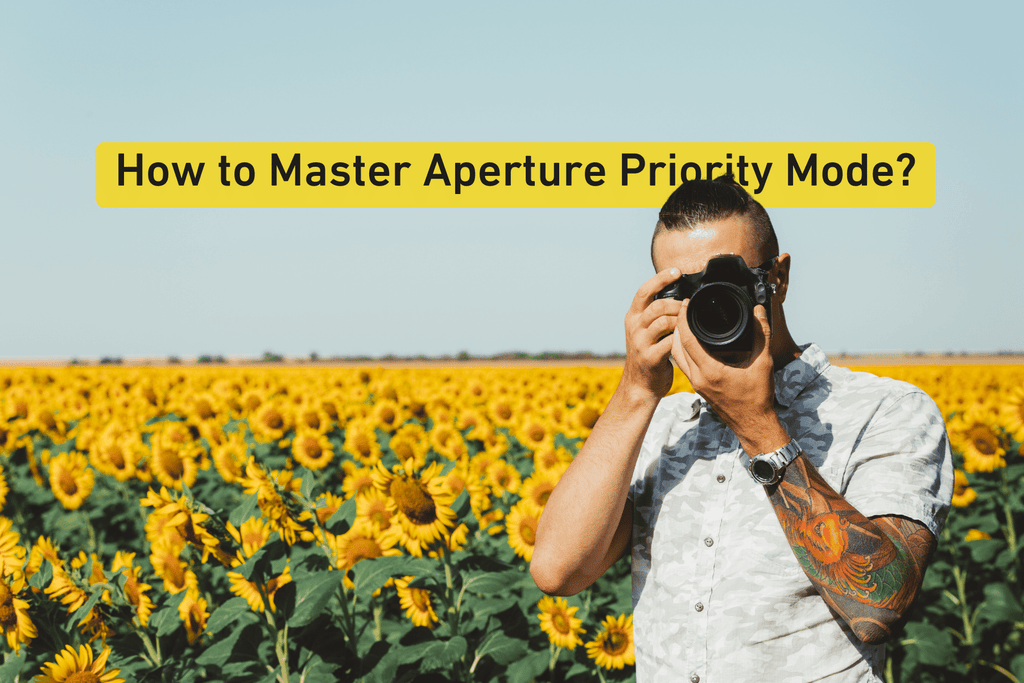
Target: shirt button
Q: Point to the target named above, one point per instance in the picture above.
(721, 479)
(699, 607)
(694, 678)
(709, 541)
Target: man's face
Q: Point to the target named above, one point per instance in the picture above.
(690, 251)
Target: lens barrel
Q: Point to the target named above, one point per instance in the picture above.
(719, 313)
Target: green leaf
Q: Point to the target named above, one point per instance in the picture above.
(167, 619)
(13, 666)
(504, 650)
(82, 612)
(312, 591)
(1017, 667)
(489, 583)
(529, 667)
(933, 646)
(985, 549)
(373, 573)
(1000, 606)
(227, 614)
(342, 519)
(244, 510)
(443, 654)
(42, 578)
(461, 505)
(261, 559)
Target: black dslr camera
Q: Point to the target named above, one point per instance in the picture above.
(722, 300)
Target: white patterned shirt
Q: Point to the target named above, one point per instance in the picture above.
(718, 596)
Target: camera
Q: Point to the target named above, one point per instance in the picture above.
(722, 299)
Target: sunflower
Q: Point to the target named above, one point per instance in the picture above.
(3, 488)
(358, 480)
(446, 440)
(558, 620)
(270, 421)
(420, 505)
(535, 434)
(311, 449)
(521, 525)
(372, 511)
(192, 611)
(229, 457)
(976, 535)
(17, 626)
(12, 554)
(1012, 413)
(116, 451)
(43, 549)
(72, 666)
(503, 476)
(540, 484)
(613, 647)
(963, 494)
(361, 441)
(416, 603)
(168, 565)
(410, 442)
(244, 588)
(284, 514)
(186, 522)
(253, 535)
(71, 479)
(975, 435)
(388, 415)
(134, 590)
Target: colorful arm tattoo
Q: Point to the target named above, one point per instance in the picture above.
(868, 570)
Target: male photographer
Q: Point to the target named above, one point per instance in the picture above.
(781, 517)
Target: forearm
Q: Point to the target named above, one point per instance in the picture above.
(576, 537)
(869, 571)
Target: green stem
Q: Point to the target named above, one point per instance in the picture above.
(154, 652)
(282, 653)
(961, 583)
(555, 651)
(1011, 538)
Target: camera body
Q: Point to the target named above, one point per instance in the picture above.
(722, 299)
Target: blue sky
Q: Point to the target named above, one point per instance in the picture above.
(82, 281)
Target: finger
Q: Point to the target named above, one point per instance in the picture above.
(694, 351)
(645, 295)
(763, 340)
(682, 360)
(660, 308)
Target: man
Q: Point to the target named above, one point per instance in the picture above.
(801, 578)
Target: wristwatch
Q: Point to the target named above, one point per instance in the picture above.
(767, 468)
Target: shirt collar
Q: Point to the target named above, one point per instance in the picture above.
(797, 374)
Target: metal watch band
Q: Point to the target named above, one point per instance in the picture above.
(767, 468)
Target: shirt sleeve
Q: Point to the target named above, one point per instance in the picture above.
(902, 464)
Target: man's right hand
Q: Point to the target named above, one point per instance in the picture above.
(649, 326)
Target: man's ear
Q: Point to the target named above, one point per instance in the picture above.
(781, 279)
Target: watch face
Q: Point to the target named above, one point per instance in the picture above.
(762, 470)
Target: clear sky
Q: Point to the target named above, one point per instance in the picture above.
(83, 281)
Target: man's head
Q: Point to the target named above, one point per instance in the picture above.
(698, 203)
(707, 218)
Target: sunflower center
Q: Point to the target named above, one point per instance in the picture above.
(536, 432)
(273, 419)
(115, 456)
(312, 449)
(413, 500)
(8, 617)
(588, 417)
(616, 643)
(984, 446)
(560, 623)
(361, 549)
(542, 493)
(528, 530)
(420, 598)
(67, 483)
(131, 589)
(171, 463)
(503, 410)
(82, 677)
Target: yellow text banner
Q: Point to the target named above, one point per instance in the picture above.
(506, 174)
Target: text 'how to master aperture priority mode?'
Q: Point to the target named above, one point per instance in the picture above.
(506, 174)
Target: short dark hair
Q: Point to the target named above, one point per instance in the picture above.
(704, 201)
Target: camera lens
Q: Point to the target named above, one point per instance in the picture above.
(719, 313)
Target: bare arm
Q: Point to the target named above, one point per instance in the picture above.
(868, 570)
(586, 524)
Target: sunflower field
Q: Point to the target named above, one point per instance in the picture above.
(325, 524)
